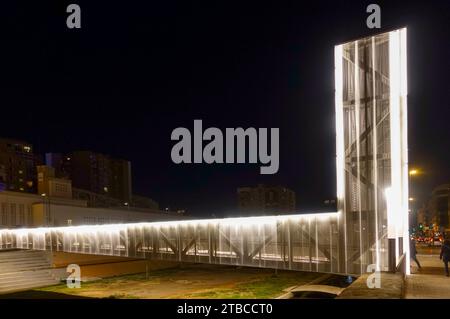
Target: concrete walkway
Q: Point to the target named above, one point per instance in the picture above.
(429, 282)
(392, 287)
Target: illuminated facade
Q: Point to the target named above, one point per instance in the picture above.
(372, 159)
(370, 227)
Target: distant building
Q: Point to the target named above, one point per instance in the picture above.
(95, 199)
(143, 202)
(17, 166)
(94, 172)
(60, 163)
(47, 213)
(18, 210)
(439, 206)
(120, 180)
(266, 199)
(49, 185)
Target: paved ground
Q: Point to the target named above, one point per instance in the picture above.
(392, 287)
(430, 281)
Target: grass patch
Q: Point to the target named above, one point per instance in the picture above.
(212, 282)
(262, 288)
(106, 283)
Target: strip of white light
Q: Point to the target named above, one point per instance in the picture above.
(340, 186)
(399, 151)
(340, 156)
(404, 125)
(239, 221)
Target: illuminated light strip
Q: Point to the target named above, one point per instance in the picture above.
(238, 221)
(339, 123)
(340, 159)
(397, 77)
(404, 124)
(375, 152)
(394, 194)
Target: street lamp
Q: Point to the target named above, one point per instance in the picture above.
(415, 171)
(412, 173)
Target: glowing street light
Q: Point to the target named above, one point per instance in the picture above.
(415, 172)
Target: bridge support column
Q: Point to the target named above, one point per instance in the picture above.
(391, 255)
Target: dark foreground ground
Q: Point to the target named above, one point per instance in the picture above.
(190, 281)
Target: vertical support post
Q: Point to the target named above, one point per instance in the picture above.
(131, 236)
(210, 244)
(391, 255)
(155, 242)
(290, 245)
(179, 241)
(245, 248)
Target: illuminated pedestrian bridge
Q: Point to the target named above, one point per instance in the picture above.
(370, 227)
(297, 242)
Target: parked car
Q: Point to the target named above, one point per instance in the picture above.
(437, 241)
(434, 241)
(420, 239)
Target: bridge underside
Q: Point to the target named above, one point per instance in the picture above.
(295, 242)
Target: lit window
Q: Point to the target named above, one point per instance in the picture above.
(105, 189)
(27, 149)
(20, 171)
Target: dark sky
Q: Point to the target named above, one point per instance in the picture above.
(137, 70)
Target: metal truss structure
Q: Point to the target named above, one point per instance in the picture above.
(372, 159)
(297, 242)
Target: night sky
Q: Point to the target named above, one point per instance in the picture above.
(137, 70)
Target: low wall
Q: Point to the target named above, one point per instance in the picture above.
(94, 266)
